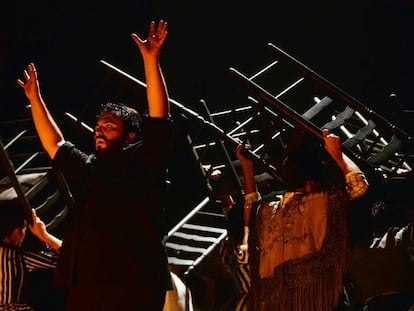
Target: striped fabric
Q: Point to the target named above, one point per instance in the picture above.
(15, 266)
(236, 261)
(241, 273)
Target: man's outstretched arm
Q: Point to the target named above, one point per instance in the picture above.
(150, 48)
(49, 133)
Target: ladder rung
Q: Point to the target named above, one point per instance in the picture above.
(339, 119)
(387, 152)
(194, 237)
(186, 248)
(12, 141)
(180, 262)
(318, 107)
(360, 135)
(211, 214)
(204, 228)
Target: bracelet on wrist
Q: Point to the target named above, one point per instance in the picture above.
(251, 198)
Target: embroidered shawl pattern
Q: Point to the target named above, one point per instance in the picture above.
(312, 282)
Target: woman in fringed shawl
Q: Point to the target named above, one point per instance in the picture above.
(298, 244)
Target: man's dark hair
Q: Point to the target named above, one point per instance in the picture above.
(129, 116)
(11, 217)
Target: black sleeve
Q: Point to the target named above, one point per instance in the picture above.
(72, 162)
(157, 142)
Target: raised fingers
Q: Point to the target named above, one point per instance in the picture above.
(158, 33)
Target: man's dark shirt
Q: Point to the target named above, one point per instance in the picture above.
(113, 235)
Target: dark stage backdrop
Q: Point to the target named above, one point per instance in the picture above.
(365, 47)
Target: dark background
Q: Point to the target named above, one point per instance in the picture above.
(364, 47)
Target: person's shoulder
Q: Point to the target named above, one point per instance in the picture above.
(69, 147)
(9, 248)
(66, 145)
(68, 154)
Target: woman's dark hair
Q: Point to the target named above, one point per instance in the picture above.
(235, 224)
(11, 217)
(129, 116)
(305, 159)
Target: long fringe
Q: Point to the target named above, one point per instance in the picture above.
(312, 282)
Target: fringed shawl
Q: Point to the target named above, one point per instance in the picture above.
(312, 282)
